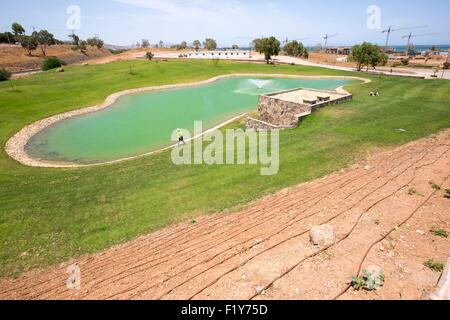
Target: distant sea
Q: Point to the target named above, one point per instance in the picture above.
(419, 48)
(441, 48)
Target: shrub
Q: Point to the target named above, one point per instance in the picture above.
(4, 74)
(446, 65)
(52, 63)
(447, 193)
(95, 42)
(368, 281)
(405, 61)
(149, 55)
(439, 232)
(433, 265)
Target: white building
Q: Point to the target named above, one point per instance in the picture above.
(219, 54)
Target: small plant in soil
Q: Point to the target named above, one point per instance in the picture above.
(439, 232)
(367, 281)
(435, 186)
(447, 193)
(194, 221)
(433, 265)
(413, 191)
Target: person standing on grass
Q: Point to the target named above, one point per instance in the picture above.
(180, 137)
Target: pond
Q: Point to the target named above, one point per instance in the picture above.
(140, 123)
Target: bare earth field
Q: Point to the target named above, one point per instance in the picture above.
(264, 252)
(136, 54)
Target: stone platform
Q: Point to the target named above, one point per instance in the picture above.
(285, 109)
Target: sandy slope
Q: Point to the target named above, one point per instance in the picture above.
(16, 59)
(267, 244)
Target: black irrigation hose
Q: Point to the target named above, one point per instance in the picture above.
(354, 227)
(235, 268)
(385, 236)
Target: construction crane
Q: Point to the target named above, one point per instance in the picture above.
(390, 30)
(328, 37)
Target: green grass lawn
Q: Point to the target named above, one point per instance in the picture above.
(56, 214)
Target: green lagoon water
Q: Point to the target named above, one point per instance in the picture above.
(141, 123)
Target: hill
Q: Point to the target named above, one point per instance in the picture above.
(16, 59)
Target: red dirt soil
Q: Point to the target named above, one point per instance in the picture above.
(16, 59)
(376, 218)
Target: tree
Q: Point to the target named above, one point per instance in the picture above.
(17, 29)
(234, 47)
(268, 46)
(161, 43)
(44, 39)
(296, 49)
(197, 44)
(75, 40)
(29, 43)
(210, 44)
(257, 44)
(95, 42)
(7, 37)
(183, 45)
(145, 43)
(368, 55)
(149, 55)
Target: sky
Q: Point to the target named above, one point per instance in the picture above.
(123, 22)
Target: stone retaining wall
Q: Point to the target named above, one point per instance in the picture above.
(259, 125)
(280, 113)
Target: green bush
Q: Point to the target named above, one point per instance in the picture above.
(52, 63)
(4, 74)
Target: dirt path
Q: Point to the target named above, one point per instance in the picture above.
(266, 246)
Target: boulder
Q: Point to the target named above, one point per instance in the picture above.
(322, 235)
